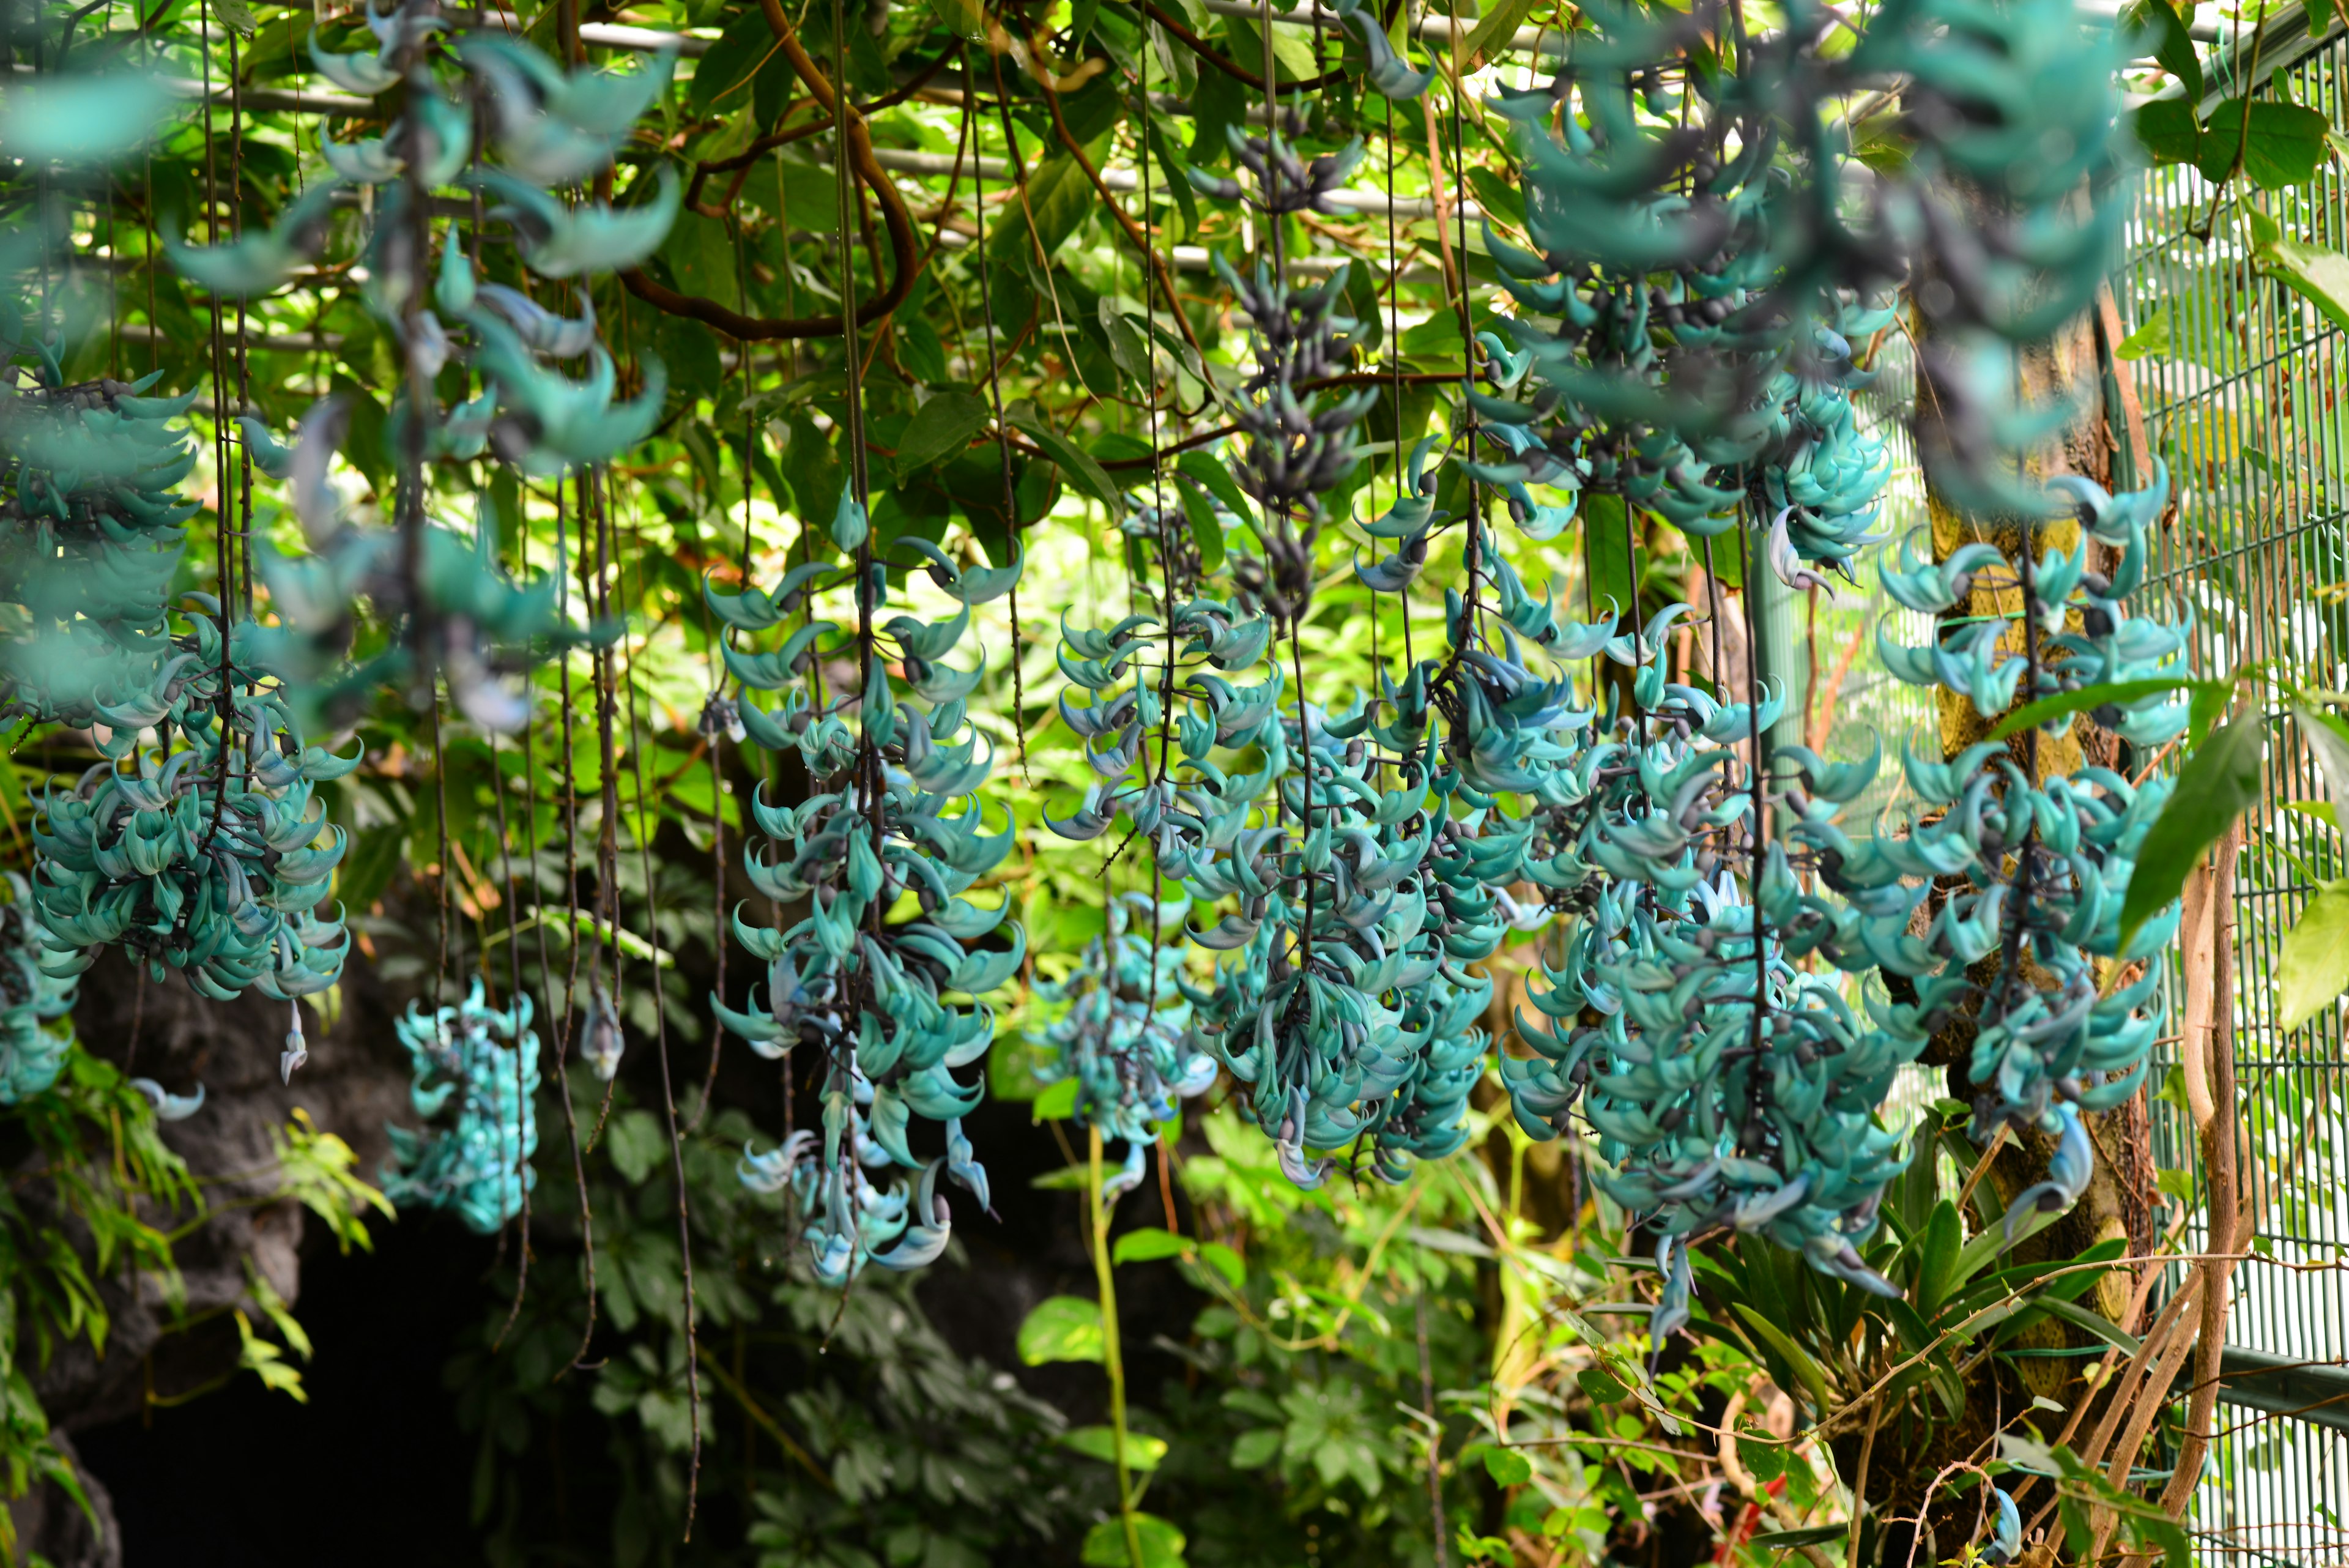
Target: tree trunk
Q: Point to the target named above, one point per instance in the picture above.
(2104, 442)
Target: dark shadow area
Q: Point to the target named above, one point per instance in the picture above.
(243, 1478)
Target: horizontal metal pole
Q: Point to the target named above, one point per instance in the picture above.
(2282, 1385)
(1548, 41)
(281, 343)
(646, 40)
(939, 164)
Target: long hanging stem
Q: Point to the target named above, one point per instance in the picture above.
(1105, 1283)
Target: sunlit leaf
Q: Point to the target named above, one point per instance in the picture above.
(1061, 1328)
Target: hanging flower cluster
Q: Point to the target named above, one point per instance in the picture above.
(211, 856)
(1123, 1037)
(2046, 857)
(91, 530)
(1728, 1088)
(869, 998)
(475, 1072)
(1701, 251)
(35, 1031)
(456, 613)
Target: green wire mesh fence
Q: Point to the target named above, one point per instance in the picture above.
(2242, 388)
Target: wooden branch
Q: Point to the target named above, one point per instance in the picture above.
(2210, 1046)
(1134, 232)
(1238, 73)
(859, 150)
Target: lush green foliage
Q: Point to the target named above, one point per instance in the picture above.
(609, 401)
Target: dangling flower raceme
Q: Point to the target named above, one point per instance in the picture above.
(1728, 1090)
(850, 1221)
(2046, 857)
(1709, 263)
(91, 530)
(475, 1073)
(212, 856)
(480, 627)
(460, 617)
(1122, 1037)
(895, 812)
(35, 1032)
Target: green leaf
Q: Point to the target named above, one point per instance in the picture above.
(2080, 701)
(1149, 1244)
(1055, 202)
(2152, 339)
(2317, 275)
(1292, 54)
(1219, 104)
(1255, 1447)
(2095, 1322)
(1494, 193)
(637, 1144)
(735, 55)
(1207, 529)
(1601, 1385)
(1435, 344)
(1072, 459)
(1484, 1548)
(1056, 1104)
(1814, 1381)
(2211, 700)
(1507, 1467)
(1937, 1257)
(2218, 783)
(2173, 45)
(363, 447)
(2281, 148)
(699, 256)
(1143, 1451)
(1226, 1263)
(1161, 1544)
(1766, 1460)
(2328, 738)
(265, 1294)
(1205, 471)
(1609, 546)
(266, 1362)
(1985, 1248)
(1885, 144)
(964, 19)
(2314, 967)
(942, 428)
(1062, 1328)
(1126, 349)
(237, 16)
(1493, 30)
(810, 196)
(375, 857)
(2169, 131)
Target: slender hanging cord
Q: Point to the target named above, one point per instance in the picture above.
(714, 729)
(597, 516)
(668, 1092)
(1394, 355)
(515, 995)
(994, 395)
(573, 939)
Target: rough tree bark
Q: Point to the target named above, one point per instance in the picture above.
(354, 1084)
(2104, 441)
